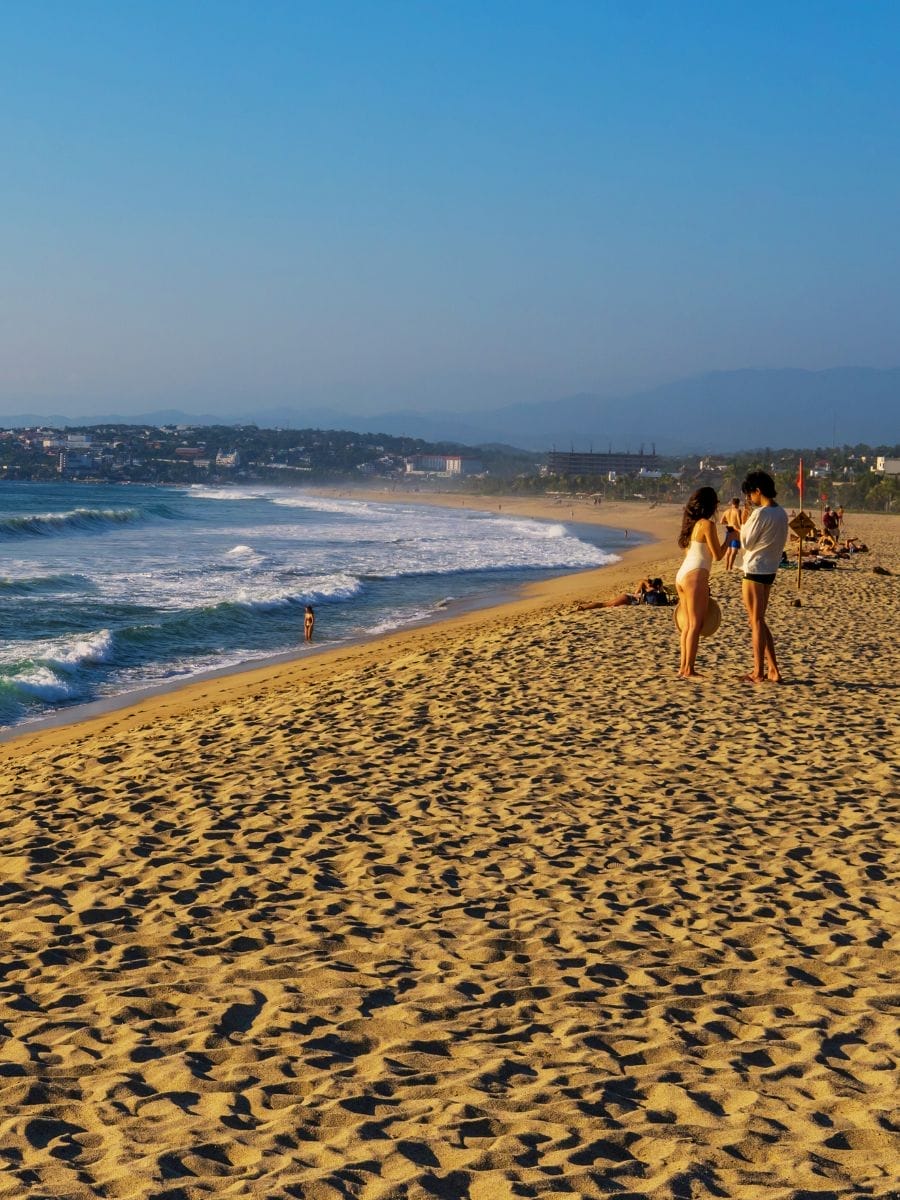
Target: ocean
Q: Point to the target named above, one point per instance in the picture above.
(106, 589)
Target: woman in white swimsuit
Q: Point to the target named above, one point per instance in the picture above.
(700, 541)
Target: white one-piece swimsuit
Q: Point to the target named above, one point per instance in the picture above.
(698, 557)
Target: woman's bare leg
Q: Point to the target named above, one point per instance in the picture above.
(694, 594)
(682, 632)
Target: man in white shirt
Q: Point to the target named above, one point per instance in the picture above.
(763, 538)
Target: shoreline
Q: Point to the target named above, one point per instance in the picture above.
(484, 606)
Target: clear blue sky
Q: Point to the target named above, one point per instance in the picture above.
(397, 203)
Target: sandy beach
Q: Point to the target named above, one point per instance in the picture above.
(488, 909)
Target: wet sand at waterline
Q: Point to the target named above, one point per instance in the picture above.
(494, 908)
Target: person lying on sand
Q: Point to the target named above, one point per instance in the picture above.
(648, 591)
(840, 550)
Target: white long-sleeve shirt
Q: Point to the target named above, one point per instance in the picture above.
(763, 537)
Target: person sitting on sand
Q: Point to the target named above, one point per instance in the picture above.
(648, 591)
(700, 542)
(656, 595)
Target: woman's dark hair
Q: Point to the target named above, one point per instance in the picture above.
(701, 504)
(759, 479)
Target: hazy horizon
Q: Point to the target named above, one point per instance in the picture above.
(374, 208)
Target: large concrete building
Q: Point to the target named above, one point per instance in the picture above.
(561, 462)
(442, 464)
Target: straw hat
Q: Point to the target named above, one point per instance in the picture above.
(711, 621)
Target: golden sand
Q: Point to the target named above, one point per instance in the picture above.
(496, 908)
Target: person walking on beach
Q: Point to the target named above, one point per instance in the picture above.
(763, 537)
(731, 519)
(700, 541)
(309, 620)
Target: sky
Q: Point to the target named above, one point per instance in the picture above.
(224, 206)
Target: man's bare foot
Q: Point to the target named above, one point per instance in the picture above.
(749, 678)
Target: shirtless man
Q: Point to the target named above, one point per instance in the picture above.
(732, 519)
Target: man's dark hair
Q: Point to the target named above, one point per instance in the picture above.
(761, 480)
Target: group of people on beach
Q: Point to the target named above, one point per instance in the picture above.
(761, 532)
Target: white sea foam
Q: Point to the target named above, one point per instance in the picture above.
(312, 591)
(40, 683)
(399, 619)
(363, 509)
(70, 654)
(201, 491)
(539, 530)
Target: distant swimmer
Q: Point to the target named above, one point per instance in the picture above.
(309, 621)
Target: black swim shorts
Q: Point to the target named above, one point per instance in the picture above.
(760, 578)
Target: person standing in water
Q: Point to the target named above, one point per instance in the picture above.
(309, 620)
(764, 535)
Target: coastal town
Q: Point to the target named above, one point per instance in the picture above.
(865, 477)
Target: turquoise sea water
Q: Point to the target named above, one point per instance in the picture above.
(108, 589)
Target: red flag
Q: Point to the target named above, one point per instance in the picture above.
(800, 477)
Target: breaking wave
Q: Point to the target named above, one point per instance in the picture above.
(78, 520)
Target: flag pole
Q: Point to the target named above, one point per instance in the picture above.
(800, 538)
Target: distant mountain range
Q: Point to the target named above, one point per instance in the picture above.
(722, 411)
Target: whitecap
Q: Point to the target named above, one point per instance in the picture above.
(312, 591)
(72, 653)
(40, 683)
